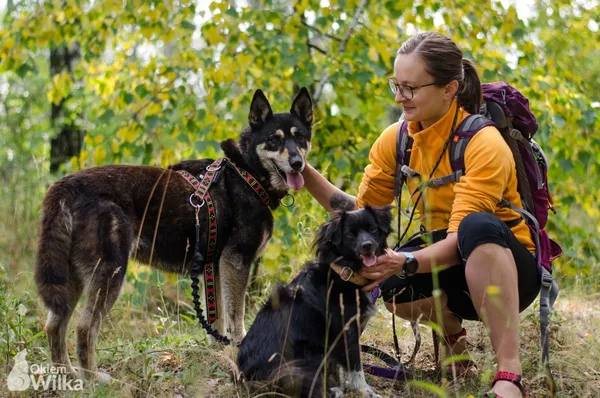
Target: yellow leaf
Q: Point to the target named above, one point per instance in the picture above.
(83, 156)
(244, 60)
(98, 139)
(166, 156)
(212, 35)
(9, 43)
(129, 135)
(99, 155)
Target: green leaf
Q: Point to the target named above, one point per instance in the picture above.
(152, 121)
(107, 116)
(142, 91)
(188, 25)
(128, 98)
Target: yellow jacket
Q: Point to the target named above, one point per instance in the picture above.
(490, 175)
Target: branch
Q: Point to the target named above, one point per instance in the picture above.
(309, 26)
(319, 49)
(351, 29)
(167, 86)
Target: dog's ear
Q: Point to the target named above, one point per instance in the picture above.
(260, 110)
(302, 107)
(336, 229)
(383, 215)
(232, 150)
(330, 235)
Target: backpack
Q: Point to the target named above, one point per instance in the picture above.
(508, 110)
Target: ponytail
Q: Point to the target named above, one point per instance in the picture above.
(469, 92)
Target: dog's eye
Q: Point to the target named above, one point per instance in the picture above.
(374, 230)
(349, 234)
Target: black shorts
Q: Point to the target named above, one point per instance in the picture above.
(476, 229)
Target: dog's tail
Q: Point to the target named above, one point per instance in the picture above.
(54, 249)
(295, 379)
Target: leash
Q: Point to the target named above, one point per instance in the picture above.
(395, 370)
(202, 197)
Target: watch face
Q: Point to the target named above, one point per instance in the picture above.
(412, 266)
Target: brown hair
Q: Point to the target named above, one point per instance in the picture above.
(444, 61)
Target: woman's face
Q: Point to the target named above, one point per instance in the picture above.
(429, 103)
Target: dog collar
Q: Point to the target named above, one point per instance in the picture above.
(348, 275)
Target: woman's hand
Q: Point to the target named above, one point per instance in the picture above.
(388, 264)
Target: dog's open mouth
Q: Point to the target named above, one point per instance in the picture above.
(293, 179)
(369, 260)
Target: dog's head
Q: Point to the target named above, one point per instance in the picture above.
(358, 237)
(279, 141)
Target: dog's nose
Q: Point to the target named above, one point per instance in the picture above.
(367, 246)
(296, 162)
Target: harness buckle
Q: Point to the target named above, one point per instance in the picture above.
(342, 274)
(197, 206)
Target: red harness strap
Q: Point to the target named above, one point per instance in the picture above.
(203, 196)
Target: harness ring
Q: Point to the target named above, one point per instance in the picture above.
(196, 206)
(287, 205)
(211, 168)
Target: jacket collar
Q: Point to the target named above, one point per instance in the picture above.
(436, 134)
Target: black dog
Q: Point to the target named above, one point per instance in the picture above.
(95, 220)
(313, 324)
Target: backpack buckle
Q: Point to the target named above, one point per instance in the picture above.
(546, 279)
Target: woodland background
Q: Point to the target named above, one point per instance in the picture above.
(86, 83)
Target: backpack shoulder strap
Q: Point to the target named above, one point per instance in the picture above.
(467, 129)
(464, 133)
(404, 143)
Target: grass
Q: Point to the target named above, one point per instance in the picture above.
(152, 347)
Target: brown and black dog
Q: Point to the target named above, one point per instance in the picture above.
(95, 220)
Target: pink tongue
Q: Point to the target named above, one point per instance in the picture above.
(369, 260)
(295, 180)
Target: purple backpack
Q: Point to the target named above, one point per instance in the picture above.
(508, 110)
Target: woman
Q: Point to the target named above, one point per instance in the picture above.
(487, 270)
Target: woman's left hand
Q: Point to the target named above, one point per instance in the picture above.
(388, 264)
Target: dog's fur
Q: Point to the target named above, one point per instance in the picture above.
(287, 342)
(95, 220)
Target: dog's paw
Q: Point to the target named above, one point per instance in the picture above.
(336, 392)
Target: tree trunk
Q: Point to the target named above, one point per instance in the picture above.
(69, 140)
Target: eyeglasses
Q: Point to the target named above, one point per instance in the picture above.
(407, 92)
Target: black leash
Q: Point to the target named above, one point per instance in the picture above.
(196, 270)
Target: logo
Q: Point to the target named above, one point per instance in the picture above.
(40, 377)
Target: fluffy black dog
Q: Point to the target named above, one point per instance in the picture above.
(311, 327)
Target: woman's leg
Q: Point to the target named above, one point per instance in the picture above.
(426, 309)
(492, 277)
(500, 287)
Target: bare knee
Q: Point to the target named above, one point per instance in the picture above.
(419, 310)
(410, 312)
(487, 250)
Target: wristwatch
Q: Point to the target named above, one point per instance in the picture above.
(411, 265)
